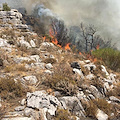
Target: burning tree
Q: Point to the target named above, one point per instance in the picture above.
(60, 32)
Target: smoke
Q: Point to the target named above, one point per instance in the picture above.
(103, 14)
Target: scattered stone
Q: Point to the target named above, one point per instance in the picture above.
(19, 108)
(49, 66)
(48, 72)
(3, 43)
(75, 65)
(28, 111)
(104, 70)
(35, 58)
(114, 99)
(95, 91)
(31, 79)
(90, 67)
(24, 43)
(79, 72)
(101, 115)
(23, 102)
(32, 43)
(90, 76)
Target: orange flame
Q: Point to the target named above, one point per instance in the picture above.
(95, 60)
(44, 38)
(67, 47)
(97, 47)
(80, 53)
(55, 41)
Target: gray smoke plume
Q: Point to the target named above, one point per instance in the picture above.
(103, 14)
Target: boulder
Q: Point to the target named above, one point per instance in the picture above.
(73, 104)
(41, 100)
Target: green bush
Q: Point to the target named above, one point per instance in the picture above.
(110, 57)
(6, 7)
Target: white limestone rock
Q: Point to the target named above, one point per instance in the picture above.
(25, 44)
(72, 104)
(32, 43)
(30, 79)
(41, 100)
(104, 70)
(49, 66)
(101, 115)
(114, 99)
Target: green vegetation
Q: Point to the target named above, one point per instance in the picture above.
(110, 57)
(6, 7)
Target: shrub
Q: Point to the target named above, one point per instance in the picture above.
(101, 104)
(62, 114)
(6, 7)
(10, 89)
(50, 60)
(110, 57)
(16, 67)
(115, 91)
(62, 80)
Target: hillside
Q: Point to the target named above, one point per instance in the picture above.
(39, 80)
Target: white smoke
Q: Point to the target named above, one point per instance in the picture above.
(104, 14)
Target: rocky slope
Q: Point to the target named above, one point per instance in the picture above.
(40, 81)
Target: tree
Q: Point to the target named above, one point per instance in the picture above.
(60, 31)
(6, 7)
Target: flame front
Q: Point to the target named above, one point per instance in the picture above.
(67, 47)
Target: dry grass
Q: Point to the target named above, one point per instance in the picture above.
(62, 80)
(50, 60)
(62, 114)
(15, 67)
(102, 104)
(9, 89)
